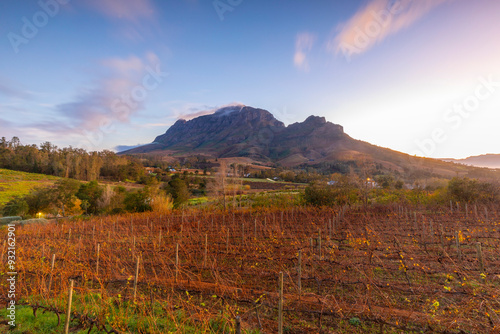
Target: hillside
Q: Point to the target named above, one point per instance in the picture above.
(13, 183)
(243, 131)
(485, 161)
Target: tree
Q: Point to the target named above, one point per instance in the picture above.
(91, 193)
(178, 189)
(471, 190)
(344, 191)
(66, 199)
(219, 183)
(137, 201)
(40, 200)
(15, 207)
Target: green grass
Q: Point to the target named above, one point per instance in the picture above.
(13, 183)
(198, 200)
(124, 315)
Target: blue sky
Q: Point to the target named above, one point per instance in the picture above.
(418, 76)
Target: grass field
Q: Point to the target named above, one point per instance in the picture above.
(378, 270)
(13, 183)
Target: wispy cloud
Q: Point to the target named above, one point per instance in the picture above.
(136, 19)
(377, 20)
(8, 89)
(93, 107)
(303, 45)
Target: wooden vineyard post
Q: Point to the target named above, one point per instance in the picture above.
(242, 232)
(97, 260)
(311, 244)
(451, 206)
(80, 248)
(206, 251)
(176, 262)
(466, 211)
(457, 240)
(299, 274)
(51, 270)
(441, 234)
(133, 248)
(480, 257)
(280, 305)
(422, 235)
(255, 228)
(159, 240)
(475, 210)
(319, 243)
(227, 241)
(68, 310)
(136, 277)
(238, 325)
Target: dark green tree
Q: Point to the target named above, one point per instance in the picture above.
(138, 201)
(178, 189)
(15, 207)
(91, 192)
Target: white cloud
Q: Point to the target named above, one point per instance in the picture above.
(376, 21)
(303, 45)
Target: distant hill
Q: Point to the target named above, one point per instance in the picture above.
(486, 161)
(14, 183)
(243, 131)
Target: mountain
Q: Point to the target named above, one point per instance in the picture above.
(243, 131)
(485, 161)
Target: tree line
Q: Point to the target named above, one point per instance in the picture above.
(68, 162)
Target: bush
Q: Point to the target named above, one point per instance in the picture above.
(321, 194)
(15, 207)
(472, 190)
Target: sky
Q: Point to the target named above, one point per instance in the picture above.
(417, 76)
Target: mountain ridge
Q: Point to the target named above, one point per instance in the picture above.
(244, 131)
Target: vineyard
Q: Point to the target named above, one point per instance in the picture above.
(388, 269)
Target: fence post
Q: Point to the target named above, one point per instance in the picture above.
(97, 261)
(68, 310)
(176, 262)
(480, 257)
(238, 325)
(441, 234)
(280, 305)
(206, 251)
(457, 241)
(319, 243)
(299, 278)
(51, 270)
(136, 277)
